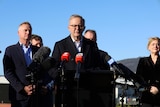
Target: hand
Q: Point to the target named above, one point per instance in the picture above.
(154, 90)
(29, 89)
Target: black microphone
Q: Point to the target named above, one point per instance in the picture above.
(130, 75)
(42, 53)
(113, 64)
(79, 61)
(39, 57)
(48, 63)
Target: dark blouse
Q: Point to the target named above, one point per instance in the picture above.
(150, 72)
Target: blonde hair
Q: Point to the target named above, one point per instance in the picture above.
(152, 39)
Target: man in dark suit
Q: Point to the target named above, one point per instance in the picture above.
(16, 59)
(92, 35)
(72, 93)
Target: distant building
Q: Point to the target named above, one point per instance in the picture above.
(4, 85)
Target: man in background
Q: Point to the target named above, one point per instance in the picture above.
(92, 35)
(46, 83)
(16, 59)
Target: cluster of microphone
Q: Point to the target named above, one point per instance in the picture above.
(42, 61)
(78, 59)
(42, 57)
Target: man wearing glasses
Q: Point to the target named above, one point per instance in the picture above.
(73, 94)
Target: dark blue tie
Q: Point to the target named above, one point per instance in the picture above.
(28, 56)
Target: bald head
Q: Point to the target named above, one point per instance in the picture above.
(91, 34)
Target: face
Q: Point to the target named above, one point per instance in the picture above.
(154, 47)
(76, 27)
(90, 35)
(36, 43)
(24, 32)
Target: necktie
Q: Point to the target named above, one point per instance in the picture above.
(27, 55)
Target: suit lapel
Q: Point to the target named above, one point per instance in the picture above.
(71, 46)
(20, 53)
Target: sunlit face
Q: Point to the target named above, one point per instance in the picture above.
(24, 32)
(90, 35)
(36, 43)
(76, 27)
(154, 46)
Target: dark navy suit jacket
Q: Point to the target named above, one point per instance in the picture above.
(15, 71)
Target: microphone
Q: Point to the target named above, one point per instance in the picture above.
(64, 58)
(78, 60)
(42, 53)
(39, 57)
(113, 64)
(130, 75)
(125, 72)
(35, 67)
(48, 63)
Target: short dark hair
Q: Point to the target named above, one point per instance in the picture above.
(92, 31)
(37, 37)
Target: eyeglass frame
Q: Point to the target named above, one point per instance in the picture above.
(79, 26)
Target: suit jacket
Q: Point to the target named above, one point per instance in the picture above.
(15, 71)
(151, 74)
(68, 87)
(89, 50)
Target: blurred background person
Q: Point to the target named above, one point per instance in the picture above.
(36, 40)
(46, 83)
(92, 35)
(149, 69)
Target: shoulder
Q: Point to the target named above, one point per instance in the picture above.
(63, 40)
(144, 59)
(11, 47)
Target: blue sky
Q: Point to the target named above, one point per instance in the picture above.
(123, 26)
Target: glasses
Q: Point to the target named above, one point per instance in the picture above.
(79, 26)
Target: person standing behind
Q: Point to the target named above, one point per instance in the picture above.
(16, 59)
(89, 49)
(46, 83)
(92, 35)
(149, 69)
(107, 94)
(36, 40)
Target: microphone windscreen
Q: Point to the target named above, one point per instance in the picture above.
(79, 57)
(41, 54)
(65, 56)
(107, 58)
(48, 63)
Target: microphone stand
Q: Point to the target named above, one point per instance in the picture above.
(77, 74)
(114, 86)
(62, 85)
(33, 76)
(123, 93)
